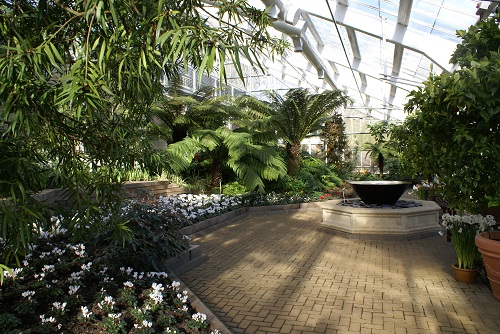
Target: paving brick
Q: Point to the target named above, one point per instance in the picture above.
(280, 273)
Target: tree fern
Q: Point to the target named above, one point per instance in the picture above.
(294, 116)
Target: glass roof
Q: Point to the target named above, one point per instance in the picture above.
(376, 50)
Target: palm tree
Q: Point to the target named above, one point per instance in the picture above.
(297, 114)
(383, 147)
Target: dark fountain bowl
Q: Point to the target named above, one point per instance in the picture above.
(379, 192)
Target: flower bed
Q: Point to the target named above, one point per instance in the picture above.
(64, 287)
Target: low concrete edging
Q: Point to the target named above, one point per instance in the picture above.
(212, 224)
(199, 306)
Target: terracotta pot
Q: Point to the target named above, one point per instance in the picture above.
(465, 275)
(490, 250)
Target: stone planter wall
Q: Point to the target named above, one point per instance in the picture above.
(135, 189)
(132, 189)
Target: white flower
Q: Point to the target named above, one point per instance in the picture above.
(146, 323)
(73, 289)
(175, 285)
(59, 306)
(44, 320)
(199, 317)
(156, 296)
(28, 294)
(78, 249)
(114, 315)
(58, 251)
(85, 312)
(182, 297)
(86, 266)
(15, 273)
(128, 284)
(48, 268)
(75, 276)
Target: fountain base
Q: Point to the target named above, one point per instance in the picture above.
(381, 223)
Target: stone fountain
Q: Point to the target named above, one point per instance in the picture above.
(379, 214)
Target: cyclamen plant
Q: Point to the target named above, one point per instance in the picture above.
(463, 229)
(62, 287)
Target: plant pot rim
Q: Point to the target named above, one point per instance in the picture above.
(484, 238)
(455, 266)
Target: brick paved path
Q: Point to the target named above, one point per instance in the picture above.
(281, 273)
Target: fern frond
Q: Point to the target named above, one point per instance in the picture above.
(181, 154)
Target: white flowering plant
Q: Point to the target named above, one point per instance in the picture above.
(63, 287)
(463, 230)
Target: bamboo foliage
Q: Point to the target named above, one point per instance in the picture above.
(78, 80)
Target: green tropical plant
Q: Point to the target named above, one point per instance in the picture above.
(204, 117)
(453, 127)
(383, 147)
(294, 116)
(251, 160)
(78, 80)
(175, 114)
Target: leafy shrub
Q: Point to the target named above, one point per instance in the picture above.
(311, 183)
(286, 184)
(363, 177)
(313, 165)
(146, 235)
(321, 171)
(272, 198)
(234, 188)
(331, 180)
(314, 176)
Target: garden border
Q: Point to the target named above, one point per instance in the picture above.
(214, 223)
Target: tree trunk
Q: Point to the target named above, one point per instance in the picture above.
(216, 173)
(293, 159)
(380, 164)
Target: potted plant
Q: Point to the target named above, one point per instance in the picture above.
(488, 244)
(463, 230)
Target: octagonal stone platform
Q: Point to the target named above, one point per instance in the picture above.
(382, 223)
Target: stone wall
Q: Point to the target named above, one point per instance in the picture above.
(132, 189)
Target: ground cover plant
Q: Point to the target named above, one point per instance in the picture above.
(69, 287)
(111, 283)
